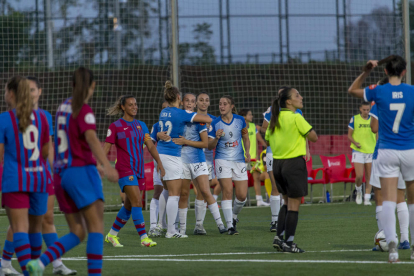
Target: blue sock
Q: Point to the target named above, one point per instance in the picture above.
(121, 219)
(50, 238)
(36, 244)
(60, 247)
(8, 251)
(21, 244)
(94, 251)
(139, 222)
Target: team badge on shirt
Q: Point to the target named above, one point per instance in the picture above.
(139, 127)
(131, 178)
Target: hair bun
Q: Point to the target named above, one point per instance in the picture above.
(168, 84)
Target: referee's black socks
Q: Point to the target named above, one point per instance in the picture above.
(291, 223)
(281, 222)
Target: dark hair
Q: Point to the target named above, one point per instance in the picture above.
(278, 103)
(384, 80)
(82, 79)
(201, 93)
(116, 108)
(244, 112)
(396, 66)
(24, 106)
(365, 103)
(171, 92)
(35, 80)
(230, 98)
(282, 87)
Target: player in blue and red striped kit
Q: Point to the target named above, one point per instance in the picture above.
(78, 185)
(24, 141)
(129, 136)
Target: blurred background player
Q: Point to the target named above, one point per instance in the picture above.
(78, 185)
(195, 169)
(255, 138)
(24, 144)
(362, 144)
(172, 121)
(287, 136)
(129, 136)
(226, 135)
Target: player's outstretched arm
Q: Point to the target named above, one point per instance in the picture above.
(196, 144)
(199, 118)
(355, 88)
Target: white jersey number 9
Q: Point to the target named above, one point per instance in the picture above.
(31, 131)
(400, 107)
(63, 145)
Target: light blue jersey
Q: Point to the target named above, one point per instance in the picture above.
(173, 121)
(190, 154)
(268, 116)
(395, 106)
(374, 113)
(229, 146)
(210, 153)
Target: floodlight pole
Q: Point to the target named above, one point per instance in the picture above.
(174, 40)
(406, 18)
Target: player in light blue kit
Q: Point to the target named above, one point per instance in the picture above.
(226, 136)
(395, 104)
(172, 121)
(195, 169)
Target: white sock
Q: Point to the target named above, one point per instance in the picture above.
(238, 205)
(162, 204)
(183, 219)
(358, 189)
(275, 207)
(57, 263)
(226, 206)
(215, 197)
(154, 212)
(204, 211)
(367, 197)
(411, 215)
(216, 213)
(388, 217)
(199, 205)
(403, 220)
(113, 232)
(5, 263)
(378, 211)
(177, 220)
(259, 198)
(172, 209)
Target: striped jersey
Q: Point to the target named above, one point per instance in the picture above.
(71, 148)
(24, 166)
(51, 132)
(191, 155)
(209, 153)
(129, 139)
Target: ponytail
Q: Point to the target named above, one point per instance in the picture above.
(278, 103)
(171, 92)
(24, 104)
(231, 102)
(116, 108)
(82, 80)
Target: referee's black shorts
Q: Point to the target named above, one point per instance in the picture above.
(291, 176)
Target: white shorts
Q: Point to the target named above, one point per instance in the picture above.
(211, 172)
(360, 157)
(194, 170)
(229, 169)
(375, 181)
(269, 162)
(156, 175)
(393, 162)
(173, 167)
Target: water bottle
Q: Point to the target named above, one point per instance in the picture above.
(328, 197)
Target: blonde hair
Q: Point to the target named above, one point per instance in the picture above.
(24, 105)
(171, 92)
(116, 108)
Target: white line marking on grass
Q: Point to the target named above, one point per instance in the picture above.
(248, 261)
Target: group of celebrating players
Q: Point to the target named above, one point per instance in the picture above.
(183, 155)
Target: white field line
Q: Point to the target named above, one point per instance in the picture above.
(247, 261)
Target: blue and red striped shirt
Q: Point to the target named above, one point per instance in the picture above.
(129, 138)
(71, 147)
(24, 167)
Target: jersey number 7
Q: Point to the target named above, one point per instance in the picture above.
(399, 107)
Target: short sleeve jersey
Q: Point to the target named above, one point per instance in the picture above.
(395, 105)
(374, 114)
(229, 147)
(24, 167)
(190, 154)
(288, 141)
(209, 153)
(173, 121)
(71, 147)
(129, 139)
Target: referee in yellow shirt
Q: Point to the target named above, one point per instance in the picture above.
(286, 135)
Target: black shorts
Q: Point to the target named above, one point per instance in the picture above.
(291, 176)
